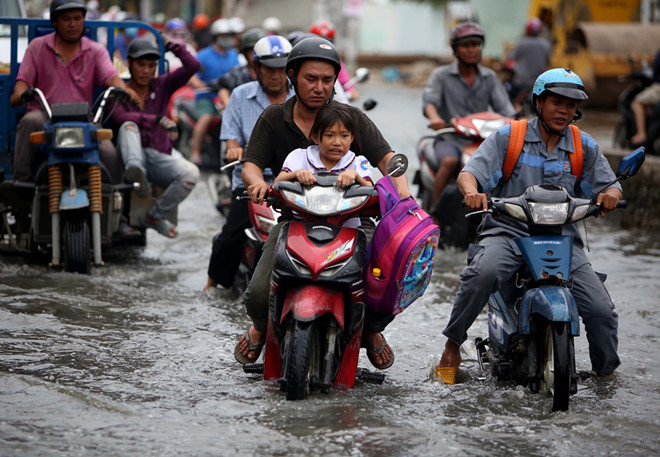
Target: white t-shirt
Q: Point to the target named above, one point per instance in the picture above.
(310, 159)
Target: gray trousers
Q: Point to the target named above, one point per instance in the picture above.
(176, 175)
(255, 296)
(496, 259)
(27, 156)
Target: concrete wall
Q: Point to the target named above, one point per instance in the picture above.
(641, 192)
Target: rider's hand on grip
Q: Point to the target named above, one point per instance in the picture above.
(28, 95)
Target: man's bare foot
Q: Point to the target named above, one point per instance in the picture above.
(210, 284)
(451, 355)
(638, 138)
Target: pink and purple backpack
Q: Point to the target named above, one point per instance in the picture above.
(401, 253)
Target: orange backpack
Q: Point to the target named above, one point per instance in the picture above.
(517, 140)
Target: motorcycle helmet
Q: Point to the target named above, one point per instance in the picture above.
(175, 24)
(143, 47)
(466, 30)
(272, 25)
(560, 81)
(323, 28)
(57, 6)
(534, 26)
(200, 22)
(237, 24)
(272, 51)
(313, 48)
(295, 38)
(221, 27)
(250, 38)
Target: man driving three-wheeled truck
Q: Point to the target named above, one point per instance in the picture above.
(61, 190)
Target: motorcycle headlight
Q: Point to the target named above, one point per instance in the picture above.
(579, 212)
(70, 137)
(323, 201)
(516, 211)
(467, 131)
(548, 213)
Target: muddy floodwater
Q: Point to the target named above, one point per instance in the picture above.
(135, 360)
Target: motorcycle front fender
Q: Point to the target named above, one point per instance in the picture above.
(74, 199)
(309, 302)
(555, 303)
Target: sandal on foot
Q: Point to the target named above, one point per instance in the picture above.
(447, 374)
(373, 351)
(243, 358)
(163, 226)
(136, 175)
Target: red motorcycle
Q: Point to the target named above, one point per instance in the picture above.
(449, 212)
(316, 310)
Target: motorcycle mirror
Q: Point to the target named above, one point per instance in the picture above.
(631, 164)
(397, 165)
(369, 104)
(362, 74)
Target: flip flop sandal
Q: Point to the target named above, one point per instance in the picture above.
(242, 358)
(371, 349)
(447, 374)
(163, 227)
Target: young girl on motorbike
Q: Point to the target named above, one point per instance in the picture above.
(333, 132)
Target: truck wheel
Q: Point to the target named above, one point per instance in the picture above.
(77, 245)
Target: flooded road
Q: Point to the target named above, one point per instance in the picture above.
(136, 360)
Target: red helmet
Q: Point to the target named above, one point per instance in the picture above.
(534, 26)
(201, 22)
(466, 30)
(323, 28)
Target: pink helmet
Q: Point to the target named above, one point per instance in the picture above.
(466, 30)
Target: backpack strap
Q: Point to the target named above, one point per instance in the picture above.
(513, 150)
(577, 159)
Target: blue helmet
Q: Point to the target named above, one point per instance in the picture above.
(560, 81)
(176, 24)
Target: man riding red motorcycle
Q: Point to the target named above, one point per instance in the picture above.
(458, 89)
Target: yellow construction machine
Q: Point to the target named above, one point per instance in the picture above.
(601, 40)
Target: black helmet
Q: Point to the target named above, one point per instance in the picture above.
(249, 38)
(57, 6)
(313, 48)
(143, 47)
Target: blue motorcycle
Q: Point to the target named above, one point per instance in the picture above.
(532, 322)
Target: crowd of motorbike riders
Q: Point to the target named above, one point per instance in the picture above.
(290, 80)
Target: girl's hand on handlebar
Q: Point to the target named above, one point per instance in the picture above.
(347, 178)
(305, 177)
(476, 201)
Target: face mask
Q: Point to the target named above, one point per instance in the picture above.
(225, 43)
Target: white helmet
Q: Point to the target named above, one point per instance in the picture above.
(272, 51)
(221, 26)
(272, 25)
(237, 24)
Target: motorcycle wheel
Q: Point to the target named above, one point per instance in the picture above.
(303, 355)
(77, 245)
(556, 364)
